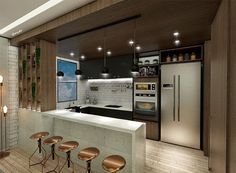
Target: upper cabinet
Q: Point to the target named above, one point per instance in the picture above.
(119, 67)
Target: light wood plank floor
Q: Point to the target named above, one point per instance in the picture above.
(160, 158)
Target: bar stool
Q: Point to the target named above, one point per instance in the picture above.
(67, 147)
(113, 163)
(88, 154)
(52, 141)
(38, 136)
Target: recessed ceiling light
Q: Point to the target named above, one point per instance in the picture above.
(99, 48)
(138, 48)
(72, 54)
(16, 33)
(176, 34)
(30, 15)
(131, 42)
(109, 52)
(82, 57)
(177, 42)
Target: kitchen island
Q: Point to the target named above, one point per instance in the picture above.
(110, 135)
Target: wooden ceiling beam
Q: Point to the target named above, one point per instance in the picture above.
(67, 18)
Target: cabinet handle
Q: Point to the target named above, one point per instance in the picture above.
(178, 97)
(174, 99)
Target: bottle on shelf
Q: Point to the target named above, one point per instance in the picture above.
(181, 57)
(168, 58)
(193, 56)
(174, 58)
(186, 57)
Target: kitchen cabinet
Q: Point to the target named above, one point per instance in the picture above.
(119, 67)
(127, 115)
(152, 129)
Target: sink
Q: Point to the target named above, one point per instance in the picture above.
(74, 108)
(113, 106)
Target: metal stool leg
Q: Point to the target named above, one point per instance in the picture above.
(89, 166)
(41, 150)
(52, 154)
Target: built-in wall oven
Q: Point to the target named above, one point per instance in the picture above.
(146, 100)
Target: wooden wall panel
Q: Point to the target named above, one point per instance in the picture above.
(232, 91)
(219, 60)
(206, 93)
(48, 75)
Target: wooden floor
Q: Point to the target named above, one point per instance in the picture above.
(161, 158)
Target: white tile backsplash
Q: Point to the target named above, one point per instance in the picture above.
(118, 92)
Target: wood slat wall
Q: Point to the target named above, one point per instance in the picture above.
(42, 75)
(69, 17)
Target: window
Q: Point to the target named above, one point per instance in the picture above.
(67, 86)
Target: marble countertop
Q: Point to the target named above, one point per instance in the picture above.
(122, 108)
(97, 121)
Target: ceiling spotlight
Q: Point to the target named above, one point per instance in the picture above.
(176, 34)
(177, 42)
(131, 42)
(99, 48)
(109, 53)
(138, 48)
(72, 54)
(82, 57)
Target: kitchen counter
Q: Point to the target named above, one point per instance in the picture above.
(110, 135)
(95, 120)
(122, 108)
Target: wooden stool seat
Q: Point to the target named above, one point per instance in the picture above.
(53, 140)
(88, 153)
(68, 146)
(113, 163)
(39, 135)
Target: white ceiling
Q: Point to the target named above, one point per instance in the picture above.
(11, 10)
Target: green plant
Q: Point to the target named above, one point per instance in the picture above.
(24, 63)
(37, 54)
(33, 90)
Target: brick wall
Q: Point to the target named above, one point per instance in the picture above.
(13, 95)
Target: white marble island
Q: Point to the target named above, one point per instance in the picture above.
(110, 135)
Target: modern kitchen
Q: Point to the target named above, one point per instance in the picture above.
(108, 86)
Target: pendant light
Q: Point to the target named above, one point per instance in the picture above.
(60, 74)
(135, 67)
(105, 70)
(78, 72)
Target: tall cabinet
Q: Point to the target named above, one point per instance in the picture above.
(37, 76)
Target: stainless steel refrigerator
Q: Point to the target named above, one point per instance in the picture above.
(181, 104)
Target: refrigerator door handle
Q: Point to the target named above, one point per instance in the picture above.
(178, 97)
(174, 98)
